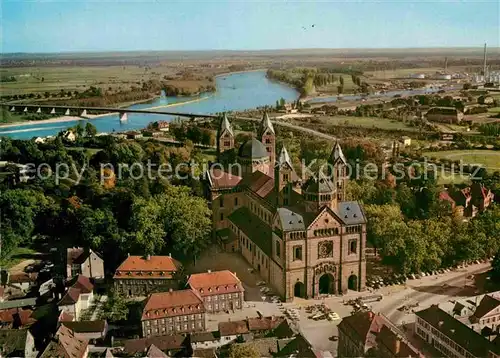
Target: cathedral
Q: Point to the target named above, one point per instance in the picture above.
(303, 238)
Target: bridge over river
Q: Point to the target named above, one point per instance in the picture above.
(85, 111)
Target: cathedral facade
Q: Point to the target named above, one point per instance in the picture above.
(302, 237)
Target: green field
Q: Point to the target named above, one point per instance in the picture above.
(367, 122)
(16, 256)
(53, 79)
(490, 159)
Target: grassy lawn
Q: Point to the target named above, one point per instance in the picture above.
(490, 159)
(90, 151)
(452, 178)
(367, 122)
(16, 256)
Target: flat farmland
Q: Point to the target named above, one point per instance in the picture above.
(80, 78)
(367, 122)
(489, 158)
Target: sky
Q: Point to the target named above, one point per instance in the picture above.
(110, 25)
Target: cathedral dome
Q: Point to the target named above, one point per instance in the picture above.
(253, 149)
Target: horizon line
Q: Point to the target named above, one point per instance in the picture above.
(255, 50)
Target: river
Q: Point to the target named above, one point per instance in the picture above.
(235, 92)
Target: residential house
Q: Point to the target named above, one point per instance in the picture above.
(445, 115)
(358, 335)
(78, 297)
(451, 337)
(206, 340)
(80, 261)
(23, 281)
(487, 314)
(89, 330)
(173, 312)
(406, 141)
(470, 200)
(17, 343)
(205, 353)
(163, 126)
(220, 290)
(275, 326)
(14, 318)
(66, 344)
(69, 135)
(170, 344)
(134, 135)
(481, 196)
(154, 352)
(139, 276)
(230, 331)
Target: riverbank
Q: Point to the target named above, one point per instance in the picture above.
(62, 119)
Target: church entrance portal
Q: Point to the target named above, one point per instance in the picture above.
(299, 290)
(352, 283)
(326, 284)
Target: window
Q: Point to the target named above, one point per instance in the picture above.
(297, 253)
(235, 201)
(353, 246)
(285, 177)
(278, 249)
(227, 143)
(268, 141)
(221, 202)
(222, 216)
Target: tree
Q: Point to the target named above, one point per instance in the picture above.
(341, 80)
(115, 308)
(186, 219)
(20, 215)
(239, 350)
(90, 129)
(467, 86)
(147, 225)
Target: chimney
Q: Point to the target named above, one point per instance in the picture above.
(170, 254)
(170, 290)
(148, 257)
(128, 254)
(209, 271)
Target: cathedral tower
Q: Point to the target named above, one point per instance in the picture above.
(225, 136)
(267, 136)
(338, 171)
(283, 172)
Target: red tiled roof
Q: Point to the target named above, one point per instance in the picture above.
(83, 284)
(23, 277)
(173, 303)
(213, 283)
(144, 268)
(444, 195)
(65, 345)
(133, 346)
(395, 344)
(65, 317)
(260, 183)
(221, 179)
(364, 324)
(232, 328)
(17, 316)
(264, 323)
(71, 297)
(75, 255)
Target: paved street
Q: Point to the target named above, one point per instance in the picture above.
(426, 291)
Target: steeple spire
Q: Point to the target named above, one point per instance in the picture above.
(266, 124)
(284, 158)
(337, 154)
(225, 125)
